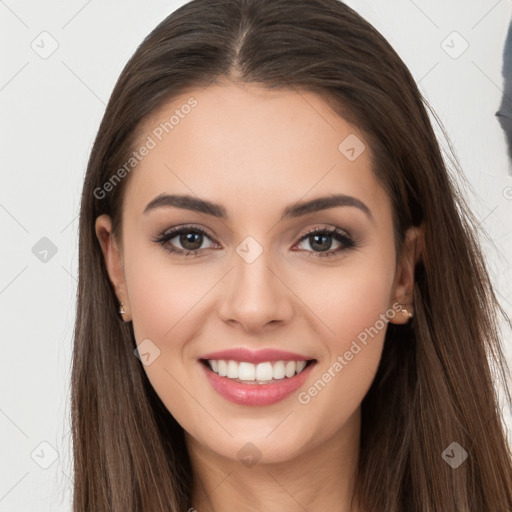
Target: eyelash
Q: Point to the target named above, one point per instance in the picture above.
(341, 236)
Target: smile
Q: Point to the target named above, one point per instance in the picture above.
(257, 378)
(261, 373)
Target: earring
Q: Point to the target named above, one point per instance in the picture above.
(121, 309)
(406, 312)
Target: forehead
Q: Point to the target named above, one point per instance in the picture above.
(250, 147)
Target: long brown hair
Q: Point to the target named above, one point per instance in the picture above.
(434, 385)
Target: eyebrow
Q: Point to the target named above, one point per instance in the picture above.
(297, 209)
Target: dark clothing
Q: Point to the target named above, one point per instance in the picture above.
(504, 113)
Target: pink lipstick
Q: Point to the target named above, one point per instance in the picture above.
(257, 378)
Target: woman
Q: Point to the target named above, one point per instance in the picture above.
(281, 304)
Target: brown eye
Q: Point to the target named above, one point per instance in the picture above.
(320, 240)
(190, 238)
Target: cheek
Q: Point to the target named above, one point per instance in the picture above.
(163, 296)
(354, 310)
(350, 298)
(166, 303)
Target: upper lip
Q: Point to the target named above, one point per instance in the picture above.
(256, 356)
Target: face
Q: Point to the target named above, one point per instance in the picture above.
(266, 267)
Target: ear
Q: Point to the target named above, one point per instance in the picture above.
(113, 261)
(404, 278)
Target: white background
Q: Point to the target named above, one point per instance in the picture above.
(50, 110)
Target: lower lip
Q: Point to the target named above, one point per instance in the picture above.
(256, 394)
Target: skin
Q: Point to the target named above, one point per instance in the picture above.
(256, 152)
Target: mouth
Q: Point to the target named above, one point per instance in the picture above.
(267, 372)
(256, 384)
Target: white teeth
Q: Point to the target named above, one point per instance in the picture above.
(232, 370)
(279, 370)
(264, 371)
(300, 366)
(246, 371)
(261, 372)
(223, 367)
(289, 369)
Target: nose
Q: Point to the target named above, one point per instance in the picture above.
(255, 296)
